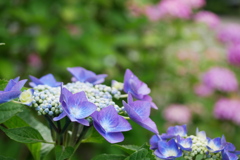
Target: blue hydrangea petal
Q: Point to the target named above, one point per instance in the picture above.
(35, 81)
(10, 84)
(215, 145)
(184, 144)
(82, 110)
(169, 149)
(97, 79)
(149, 99)
(229, 156)
(82, 121)
(7, 96)
(112, 137)
(50, 80)
(154, 141)
(18, 86)
(177, 130)
(76, 98)
(142, 108)
(61, 116)
(201, 134)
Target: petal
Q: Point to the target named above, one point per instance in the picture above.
(61, 116)
(110, 137)
(77, 98)
(82, 110)
(149, 125)
(18, 86)
(154, 142)
(142, 108)
(83, 122)
(7, 96)
(50, 80)
(81, 74)
(131, 112)
(16, 79)
(148, 98)
(35, 81)
(10, 84)
(229, 156)
(65, 94)
(97, 79)
(128, 74)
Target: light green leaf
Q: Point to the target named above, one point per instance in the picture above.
(93, 137)
(3, 84)
(62, 152)
(35, 149)
(109, 157)
(199, 157)
(128, 148)
(180, 158)
(23, 134)
(15, 122)
(8, 110)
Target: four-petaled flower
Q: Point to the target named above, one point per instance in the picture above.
(44, 80)
(137, 88)
(139, 112)
(175, 131)
(12, 90)
(76, 107)
(110, 125)
(168, 150)
(83, 75)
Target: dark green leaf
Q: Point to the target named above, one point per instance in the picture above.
(180, 158)
(5, 158)
(93, 137)
(109, 157)
(35, 149)
(62, 152)
(128, 148)
(3, 84)
(23, 134)
(8, 110)
(15, 122)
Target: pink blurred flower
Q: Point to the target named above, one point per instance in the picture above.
(194, 3)
(175, 9)
(34, 60)
(202, 90)
(209, 18)
(229, 33)
(177, 114)
(227, 109)
(153, 13)
(234, 54)
(220, 79)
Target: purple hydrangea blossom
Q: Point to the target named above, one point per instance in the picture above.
(168, 150)
(83, 75)
(44, 80)
(154, 141)
(202, 90)
(226, 155)
(216, 145)
(220, 79)
(234, 54)
(12, 90)
(175, 131)
(229, 34)
(137, 88)
(208, 18)
(184, 144)
(110, 125)
(76, 107)
(194, 3)
(227, 109)
(139, 112)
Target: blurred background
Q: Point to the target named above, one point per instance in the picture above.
(187, 51)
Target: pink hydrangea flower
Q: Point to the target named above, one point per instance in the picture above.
(227, 109)
(194, 3)
(177, 114)
(202, 90)
(220, 79)
(209, 18)
(234, 54)
(229, 33)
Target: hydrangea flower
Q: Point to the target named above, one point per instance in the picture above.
(12, 90)
(203, 90)
(175, 131)
(229, 33)
(76, 107)
(208, 18)
(215, 145)
(234, 54)
(194, 3)
(110, 125)
(168, 150)
(136, 87)
(44, 80)
(184, 144)
(83, 75)
(177, 114)
(220, 79)
(139, 112)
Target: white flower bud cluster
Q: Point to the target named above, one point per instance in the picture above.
(199, 147)
(46, 98)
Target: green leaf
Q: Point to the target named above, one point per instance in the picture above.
(8, 110)
(109, 157)
(199, 157)
(35, 149)
(180, 158)
(128, 148)
(5, 158)
(62, 152)
(15, 122)
(23, 134)
(44, 130)
(93, 137)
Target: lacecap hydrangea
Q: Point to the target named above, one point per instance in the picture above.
(176, 143)
(87, 102)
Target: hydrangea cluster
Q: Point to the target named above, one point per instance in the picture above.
(87, 102)
(227, 109)
(176, 143)
(208, 18)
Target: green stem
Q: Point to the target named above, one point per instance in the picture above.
(51, 123)
(123, 96)
(66, 125)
